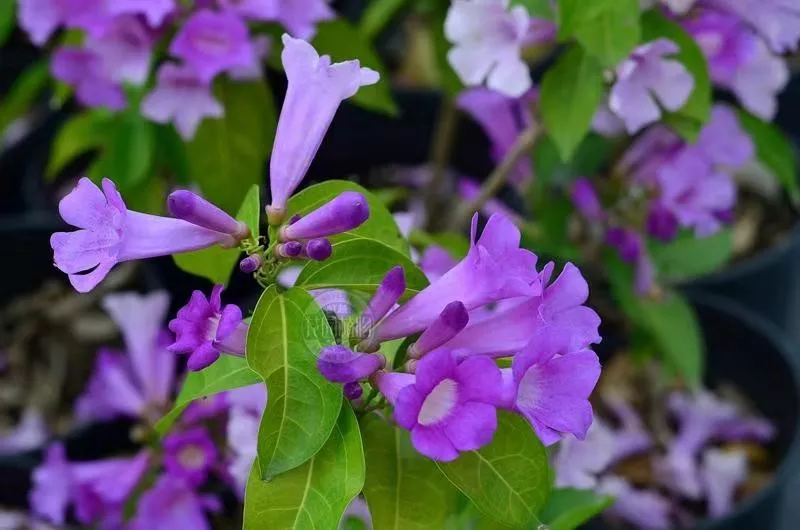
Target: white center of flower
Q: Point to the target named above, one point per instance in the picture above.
(439, 403)
(212, 326)
(192, 457)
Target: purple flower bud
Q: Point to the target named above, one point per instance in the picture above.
(190, 207)
(585, 200)
(293, 219)
(725, 216)
(353, 391)
(386, 296)
(342, 365)
(319, 249)
(342, 213)
(627, 243)
(661, 223)
(290, 249)
(251, 264)
(451, 321)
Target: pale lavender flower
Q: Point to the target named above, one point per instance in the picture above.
(342, 365)
(344, 212)
(212, 42)
(578, 463)
(316, 88)
(204, 329)
(759, 81)
(550, 386)
(646, 79)
(40, 18)
(487, 40)
(262, 45)
(190, 455)
(509, 329)
(435, 262)
(264, 10)
(723, 142)
(299, 17)
(110, 233)
(447, 406)
(643, 509)
(182, 98)
(154, 11)
(125, 47)
(606, 123)
(503, 119)
(193, 208)
(722, 472)
(173, 503)
(30, 433)
(495, 268)
(778, 21)
(244, 418)
(141, 384)
(84, 70)
(744, 429)
(631, 438)
(451, 321)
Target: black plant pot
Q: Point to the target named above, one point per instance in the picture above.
(746, 350)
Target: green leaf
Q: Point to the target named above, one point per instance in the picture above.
(286, 334)
(377, 14)
(567, 509)
(380, 225)
(698, 107)
(228, 155)
(250, 210)
(85, 131)
(607, 30)
(571, 91)
(30, 84)
(227, 372)
(130, 151)
(7, 21)
(674, 326)
(171, 153)
(404, 490)
(343, 42)
(689, 256)
(360, 265)
(775, 151)
(314, 495)
(591, 156)
(508, 480)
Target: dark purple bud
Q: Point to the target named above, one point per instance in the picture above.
(627, 243)
(725, 216)
(661, 223)
(251, 264)
(296, 217)
(342, 365)
(319, 249)
(342, 213)
(386, 296)
(290, 249)
(190, 207)
(585, 200)
(451, 321)
(353, 391)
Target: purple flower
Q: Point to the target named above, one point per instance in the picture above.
(631, 438)
(253, 9)
(550, 386)
(212, 42)
(244, 418)
(173, 503)
(316, 88)
(778, 21)
(560, 307)
(98, 489)
(262, 45)
(642, 508)
(722, 472)
(182, 98)
(723, 142)
(30, 433)
(661, 223)
(386, 296)
(191, 207)
(743, 429)
(503, 119)
(494, 269)
(110, 233)
(299, 17)
(190, 455)
(578, 462)
(646, 79)
(468, 189)
(125, 46)
(448, 407)
(451, 321)
(631, 249)
(584, 198)
(40, 18)
(487, 40)
(154, 11)
(342, 365)
(139, 385)
(204, 329)
(84, 70)
(317, 249)
(344, 212)
(649, 151)
(435, 262)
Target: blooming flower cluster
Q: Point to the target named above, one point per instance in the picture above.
(693, 466)
(123, 39)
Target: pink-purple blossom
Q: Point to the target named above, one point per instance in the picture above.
(721, 473)
(155, 12)
(194, 209)
(316, 88)
(41, 18)
(173, 503)
(299, 17)
(190, 455)
(342, 365)
(778, 21)
(204, 329)
(125, 48)
(85, 71)
(645, 509)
